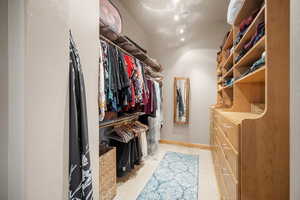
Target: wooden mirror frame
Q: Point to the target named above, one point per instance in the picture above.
(187, 111)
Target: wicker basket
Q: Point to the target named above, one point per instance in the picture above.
(108, 183)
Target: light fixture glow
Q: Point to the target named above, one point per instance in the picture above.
(176, 17)
(181, 31)
(182, 39)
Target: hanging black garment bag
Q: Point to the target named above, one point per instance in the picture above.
(80, 175)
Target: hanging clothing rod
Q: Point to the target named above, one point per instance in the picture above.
(124, 51)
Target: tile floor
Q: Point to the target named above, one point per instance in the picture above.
(208, 189)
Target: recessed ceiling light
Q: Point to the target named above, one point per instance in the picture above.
(176, 17)
(182, 39)
(181, 31)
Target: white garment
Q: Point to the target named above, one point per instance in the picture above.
(144, 145)
(155, 123)
(158, 117)
(233, 10)
(101, 94)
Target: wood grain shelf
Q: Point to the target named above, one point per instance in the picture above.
(257, 76)
(228, 61)
(228, 74)
(251, 29)
(229, 41)
(253, 54)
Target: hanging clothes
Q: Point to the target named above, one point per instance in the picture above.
(130, 149)
(151, 106)
(101, 93)
(159, 115)
(144, 145)
(80, 174)
(139, 82)
(155, 121)
(130, 69)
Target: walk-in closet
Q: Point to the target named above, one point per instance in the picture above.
(150, 100)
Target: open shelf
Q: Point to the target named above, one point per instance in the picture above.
(229, 61)
(228, 74)
(253, 54)
(229, 41)
(258, 76)
(251, 29)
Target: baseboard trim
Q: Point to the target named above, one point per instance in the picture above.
(185, 144)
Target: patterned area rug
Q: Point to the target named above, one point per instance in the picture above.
(176, 178)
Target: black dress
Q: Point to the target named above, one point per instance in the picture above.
(80, 175)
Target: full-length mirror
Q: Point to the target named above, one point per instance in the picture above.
(181, 100)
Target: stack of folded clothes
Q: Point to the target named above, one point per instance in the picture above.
(260, 32)
(244, 26)
(256, 65)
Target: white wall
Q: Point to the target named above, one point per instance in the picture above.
(46, 99)
(295, 100)
(131, 28)
(4, 103)
(195, 59)
(198, 65)
(47, 26)
(16, 99)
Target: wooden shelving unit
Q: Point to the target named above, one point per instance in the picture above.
(250, 122)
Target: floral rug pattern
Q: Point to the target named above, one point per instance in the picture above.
(176, 178)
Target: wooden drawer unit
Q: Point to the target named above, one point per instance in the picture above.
(230, 129)
(231, 155)
(219, 169)
(226, 156)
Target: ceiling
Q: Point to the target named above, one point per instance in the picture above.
(179, 20)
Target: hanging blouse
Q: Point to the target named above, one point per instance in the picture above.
(101, 94)
(139, 82)
(129, 61)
